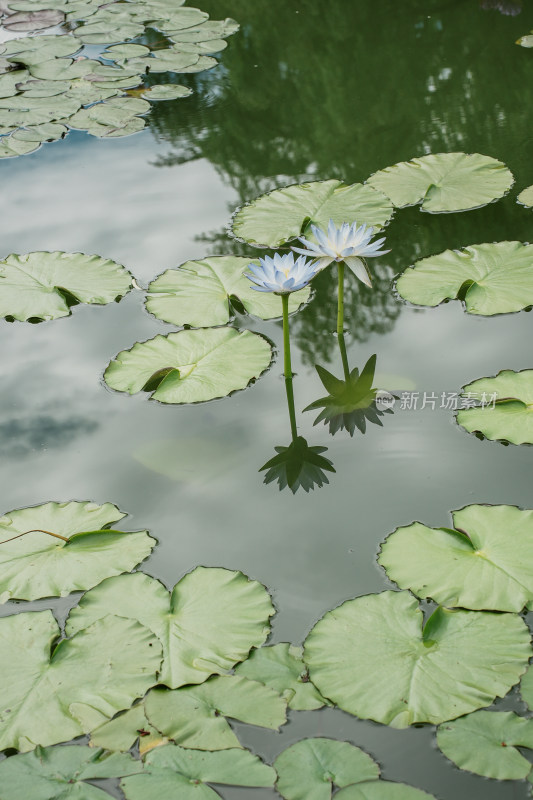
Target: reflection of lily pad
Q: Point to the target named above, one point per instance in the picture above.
(192, 459)
(382, 790)
(38, 564)
(209, 622)
(199, 293)
(492, 278)
(484, 564)
(195, 716)
(505, 409)
(172, 771)
(190, 366)
(444, 181)
(43, 286)
(485, 743)
(309, 769)
(52, 693)
(62, 772)
(373, 657)
(284, 214)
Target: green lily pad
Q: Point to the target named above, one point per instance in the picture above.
(118, 52)
(382, 790)
(11, 147)
(373, 657)
(199, 293)
(79, 551)
(173, 771)
(166, 91)
(444, 181)
(47, 132)
(60, 773)
(33, 20)
(88, 93)
(190, 366)
(309, 769)
(212, 29)
(485, 743)
(525, 197)
(22, 111)
(510, 417)
(195, 716)
(526, 688)
(39, 88)
(10, 80)
(484, 564)
(181, 18)
(43, 286)
(171, 60)
(115, 114)
(283, 214)
(54, 693)
(62, 69)
(123, 731)
(209, 622)
(34, 49)
(490, 279)
(281, 667)
(106, 31)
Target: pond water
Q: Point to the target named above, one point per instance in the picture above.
(305, 90)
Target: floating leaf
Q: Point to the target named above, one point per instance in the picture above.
(526, 196)
(62, 772)
(281, 667)
(283, 214)
(11, 147)
(309, 769)
(490, 279)
(484, 564)
(213, 29)
(33, 20)
(34, 49)
(53, 694)
(118, 52)
(80, 553)
(47, 132)
(122, 732)
(510, 416)
(373, 658)
(190, 366)
(209, 622)
(199, 293)
(107, 31)
(526, 688)
(10, 80)
(114, 117)
(444, 181)
(172, 772)
(182, 18)
(485, 743)
(21, 111)
(195, 716)
(382, 790)
(43, 286)
(166, 91)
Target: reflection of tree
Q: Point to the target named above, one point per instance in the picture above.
(21, 437)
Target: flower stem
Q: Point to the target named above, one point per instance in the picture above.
(287, 365)
(340, 300)
(35, 530)
(344, 357)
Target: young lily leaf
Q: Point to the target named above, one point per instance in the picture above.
(490, 279)
(281, 667)
(209, 622)
(510, 417)
(444, 181)
(485, 743)
(373, 658)
(190, 366)
(309, 769)
(53, 694)
(172, 771)
(484, 564)
(57, 548)
(382, 790)
(525, 197)
(195, 716)
(281, 215)
(199, 293)
(51, 773)
(121, 733)
(43, 286)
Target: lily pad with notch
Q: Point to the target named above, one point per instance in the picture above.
(122, 732)
(501, 407)
(191, 366)
(382, 790)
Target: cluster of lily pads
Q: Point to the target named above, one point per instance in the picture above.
(154, 678)
(48, 85)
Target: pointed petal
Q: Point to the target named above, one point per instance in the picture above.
(359, 269)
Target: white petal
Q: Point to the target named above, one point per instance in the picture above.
(359, 269)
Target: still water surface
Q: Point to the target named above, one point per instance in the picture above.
(317, 89)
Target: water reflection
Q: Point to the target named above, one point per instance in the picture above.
(508, 7)
(20, 438)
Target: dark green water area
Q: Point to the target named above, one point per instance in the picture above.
(305, 91)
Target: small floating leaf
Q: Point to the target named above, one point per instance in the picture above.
(166, 91)
(198, 293)
(485, 743)
(281, 667)
(444, 181)
(195, 716)
(525, 197)
(373, 657)
(53, 693)
(502, 407)
(491, 279)
(209, 622)
(34, 286)
(280, 215)
(382, 790)
(484, 564)
(190, 366)
(172, 771)
(62, 772)
(309, 769)
(78, 552)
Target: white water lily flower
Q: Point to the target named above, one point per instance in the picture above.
(281, 274)
(346, 243)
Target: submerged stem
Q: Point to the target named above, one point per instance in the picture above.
(340, 299)
(344, 357)
(35, 530)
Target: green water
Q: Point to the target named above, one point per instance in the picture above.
(305, 90)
